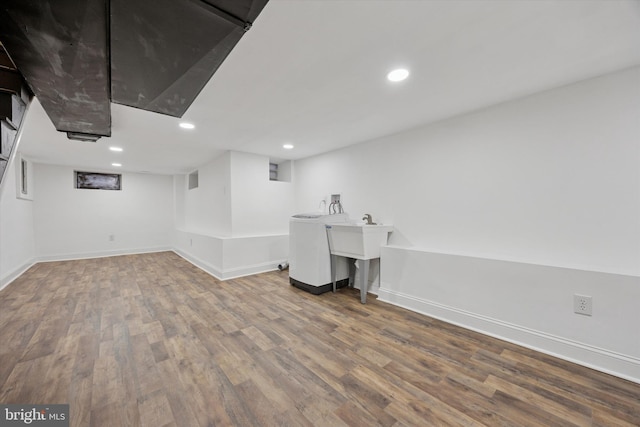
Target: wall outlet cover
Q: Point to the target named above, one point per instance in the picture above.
(582, 304)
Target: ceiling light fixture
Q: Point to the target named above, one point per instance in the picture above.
(288, 146)
(115, 149)
(116, 164)
(398, 75)
(185, 125)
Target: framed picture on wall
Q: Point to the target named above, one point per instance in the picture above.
(98, 181)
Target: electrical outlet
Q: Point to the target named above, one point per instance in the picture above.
(335, 198)
(112, 237)
(582, 304)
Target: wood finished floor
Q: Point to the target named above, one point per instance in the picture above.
(150, 340)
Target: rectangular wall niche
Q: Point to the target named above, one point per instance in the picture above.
(98, 181)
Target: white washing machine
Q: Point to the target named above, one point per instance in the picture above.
(309, 257)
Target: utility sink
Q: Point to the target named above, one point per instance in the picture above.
(360, 241)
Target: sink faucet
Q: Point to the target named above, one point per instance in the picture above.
(367, 217)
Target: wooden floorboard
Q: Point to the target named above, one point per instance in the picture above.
(150, 340)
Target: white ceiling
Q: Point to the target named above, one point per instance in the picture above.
(312, 73)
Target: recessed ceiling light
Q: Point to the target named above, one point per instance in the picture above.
(288, 146)
(116, 164)
(185, 125)
(115, 148)
(398, 75)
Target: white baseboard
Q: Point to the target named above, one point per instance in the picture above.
(593, 357)
(6, 280)
(202, 265)
(220, 274)
(216, 272)
(250, 269)
(101, 254)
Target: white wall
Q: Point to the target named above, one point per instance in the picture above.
(237, 221)
(549, 180)
(17, 241)
(523, 303)
(75, 223)
(229, 257)
(234, 198)
(207, 209)
(179, 201)
(258, 206)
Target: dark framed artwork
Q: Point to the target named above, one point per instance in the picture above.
(98, 181)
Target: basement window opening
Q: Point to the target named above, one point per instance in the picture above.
(279, 170)
(273, 171)
(193, 180)
(23, 177)
(98, 181)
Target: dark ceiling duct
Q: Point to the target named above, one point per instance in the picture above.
(163, 52)
(60, 47)
(155, 55)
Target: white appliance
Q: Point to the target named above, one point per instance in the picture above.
(309, 258)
